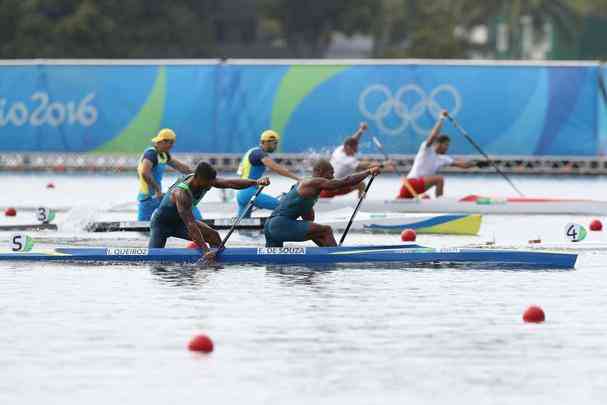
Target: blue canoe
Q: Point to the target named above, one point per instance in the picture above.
(405, 254)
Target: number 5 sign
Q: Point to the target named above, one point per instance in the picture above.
(20, 242)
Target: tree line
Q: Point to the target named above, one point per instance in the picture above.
(301, 28)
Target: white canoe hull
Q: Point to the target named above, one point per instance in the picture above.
(540, 206)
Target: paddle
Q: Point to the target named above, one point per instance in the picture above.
(478, 148)
(406, 183)
(360, 200)
(235, 224)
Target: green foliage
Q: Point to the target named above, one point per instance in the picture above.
(301, 28)
(307, 25)
(108, 29)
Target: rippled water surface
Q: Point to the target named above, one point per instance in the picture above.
(92, 334)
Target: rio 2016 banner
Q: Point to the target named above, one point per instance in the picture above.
(222, 107)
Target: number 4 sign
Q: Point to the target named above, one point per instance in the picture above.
(575, 232)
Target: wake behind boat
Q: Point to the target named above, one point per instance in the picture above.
(401, 254)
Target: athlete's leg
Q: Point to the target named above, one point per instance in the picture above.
(210, 235)
(270, 242)
(322, 235)
(146, 208)
(158, 234)
(266, 202)
(263, 201)
(435, 181)
(242, 198)
(282, 229)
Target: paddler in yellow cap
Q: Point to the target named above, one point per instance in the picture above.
(253, 166)
(151, 169)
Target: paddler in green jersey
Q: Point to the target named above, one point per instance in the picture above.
(284, 224)
(174, 216)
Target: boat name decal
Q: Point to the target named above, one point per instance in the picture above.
(282, 251)
(230, 221)
(448, 250)
(429, 250)
(127, 252)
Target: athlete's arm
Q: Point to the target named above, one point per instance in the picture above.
(268, 162)
(183, 201)
(240, 183)
(362, 127)
(313, 186)
(464, 164)
(179, 166)
(146, 173)
(366, 164)
(309, 216)
(437, 128)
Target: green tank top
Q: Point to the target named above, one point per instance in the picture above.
(167, 210)
(293, 205)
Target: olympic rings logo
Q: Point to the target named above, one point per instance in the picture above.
(407, 113)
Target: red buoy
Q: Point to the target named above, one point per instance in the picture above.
(534, 314)
(10, 212)
(50, 184)
(201, 343)
(596, 225)
(408, 235)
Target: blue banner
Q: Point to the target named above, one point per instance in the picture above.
(525, 110)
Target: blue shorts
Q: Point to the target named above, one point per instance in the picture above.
(263, 201)
(146, 208)
(278, 230)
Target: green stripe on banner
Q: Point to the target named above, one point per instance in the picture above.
(137, 135)
(299, 81)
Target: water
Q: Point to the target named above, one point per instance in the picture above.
(74, 334)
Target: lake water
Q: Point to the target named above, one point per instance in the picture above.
(75, 334)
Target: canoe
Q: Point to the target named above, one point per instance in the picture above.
(400, 254)
(453, 224)
(476, 204)
(28, 227)
(471, 204)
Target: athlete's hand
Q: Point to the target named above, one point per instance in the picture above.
(390, 165)
(444, 114)
(363, 126)
(210, 255)
(375, 170)
(264, 181)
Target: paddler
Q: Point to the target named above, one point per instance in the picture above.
(151, 169)
(284, 224)
(174, 216)
(430, 158)
(253, 165)
(345, 162)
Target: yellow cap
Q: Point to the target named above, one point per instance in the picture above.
(269, 135)
(165, 135)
